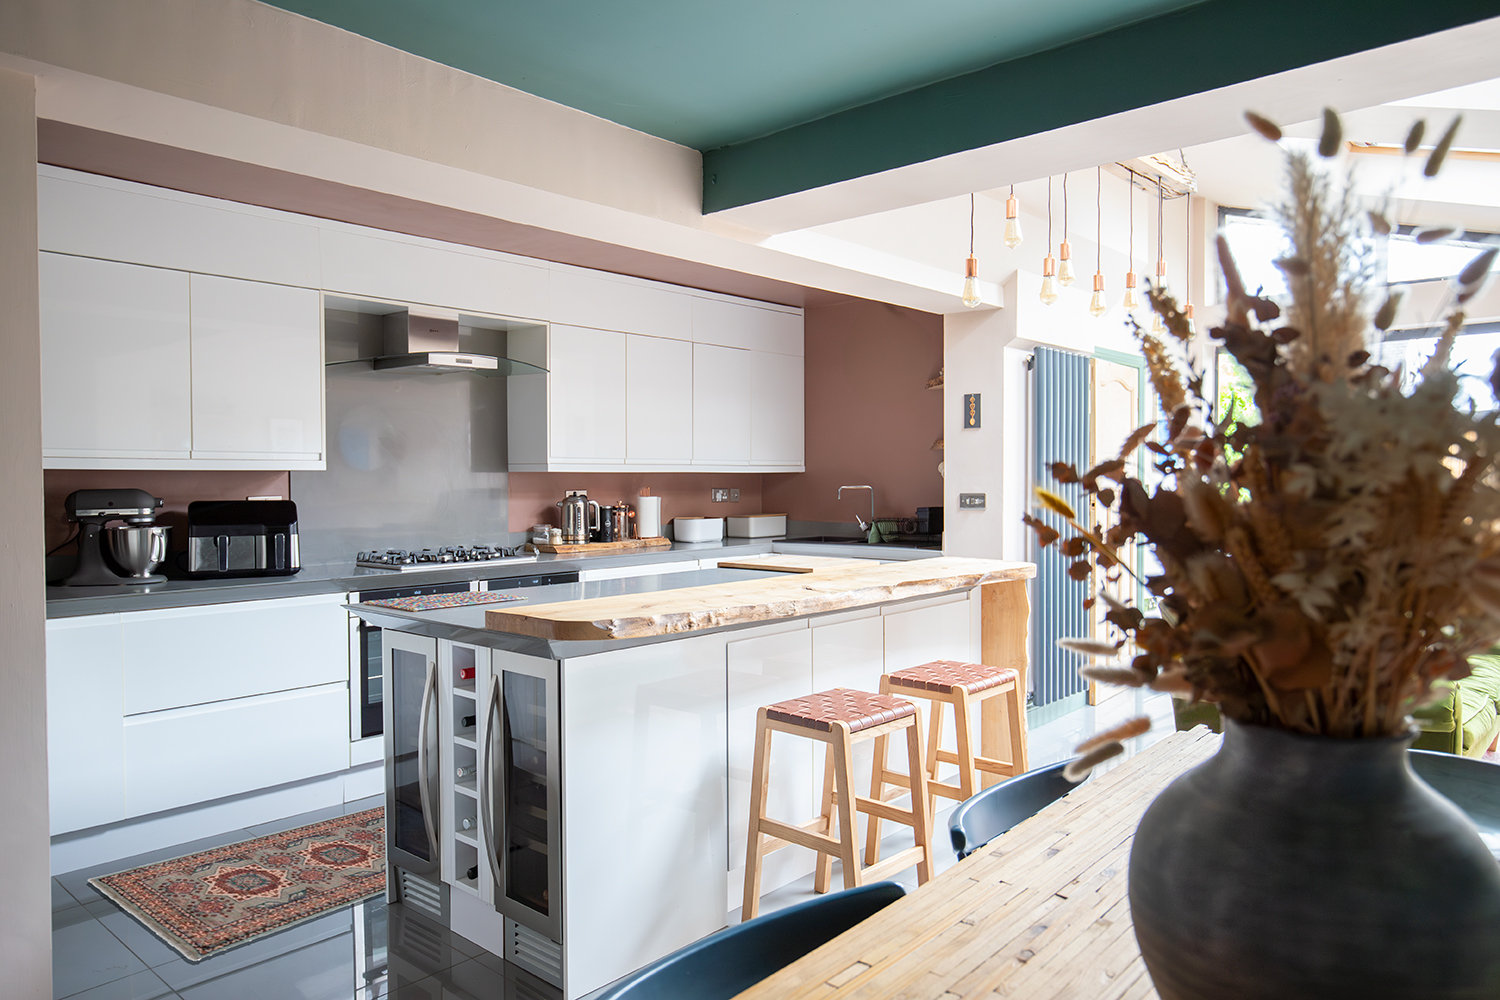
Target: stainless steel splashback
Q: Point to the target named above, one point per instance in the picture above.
(413, 459)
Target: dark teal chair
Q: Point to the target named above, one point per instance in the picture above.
(731, 961)
(985, 815)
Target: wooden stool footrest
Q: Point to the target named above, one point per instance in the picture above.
(891, 865)
(802, 838)
(885, 810)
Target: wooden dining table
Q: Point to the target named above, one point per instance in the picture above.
(1039, 912)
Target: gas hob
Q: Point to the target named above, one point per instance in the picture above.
(415, 560)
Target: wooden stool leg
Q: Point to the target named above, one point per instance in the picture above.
(824, 873)
(921, 814)
(759, 776)
(934, 739)
(843, 765)
(1016, 705)
(964, 741)
(877, 787)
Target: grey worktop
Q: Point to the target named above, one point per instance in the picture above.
(334, 578)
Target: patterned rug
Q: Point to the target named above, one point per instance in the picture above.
(203, 903)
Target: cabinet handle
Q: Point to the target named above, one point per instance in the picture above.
(423, 791)
(487, 781)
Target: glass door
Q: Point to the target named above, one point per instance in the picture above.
(411, 751)
(522, 793)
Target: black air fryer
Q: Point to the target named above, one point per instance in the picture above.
(242, 538)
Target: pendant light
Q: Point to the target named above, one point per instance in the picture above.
(1012, 220)
(1049, 265)
(971, 266)
(1097, 306)
(1187, 287)
(1161, 261)
(1064, 251)
(1129, 301)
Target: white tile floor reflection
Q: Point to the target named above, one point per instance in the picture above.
(370, 952)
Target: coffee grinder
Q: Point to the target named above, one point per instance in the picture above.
(93, 509)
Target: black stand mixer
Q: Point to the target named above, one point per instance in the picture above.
(92, 509)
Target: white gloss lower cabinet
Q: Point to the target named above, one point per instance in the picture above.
(191, 656)
(185, 756)
(116, 362)
(658, 401)
(85, 732)
(643, 805)
(772, 666)
(942, 628)
(586, 395)
(721, 405)
(257, 371)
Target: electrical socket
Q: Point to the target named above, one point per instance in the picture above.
(719, 496)
(734, 496)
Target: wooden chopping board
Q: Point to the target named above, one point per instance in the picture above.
(792, 564)
(667, 612)
(604, 548)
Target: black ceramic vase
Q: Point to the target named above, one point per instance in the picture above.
(1292, 867)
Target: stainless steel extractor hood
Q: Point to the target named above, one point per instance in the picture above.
(426, 340)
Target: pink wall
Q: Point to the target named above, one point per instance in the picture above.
(177, 488)
(534, 495)
(870, 417)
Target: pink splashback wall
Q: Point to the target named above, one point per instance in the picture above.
(870, 417)
(534, 495)
(177, 488)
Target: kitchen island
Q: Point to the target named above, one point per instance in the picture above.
(609, 821)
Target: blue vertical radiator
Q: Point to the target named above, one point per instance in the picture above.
(1061, 420)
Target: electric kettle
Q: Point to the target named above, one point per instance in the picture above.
(580, 516)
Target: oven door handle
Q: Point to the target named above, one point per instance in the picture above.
(428, 696)
(487, 782)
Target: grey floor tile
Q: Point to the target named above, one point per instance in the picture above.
(419, 947)
(337, 927)
(142, 942)
(61, 898)
(141, 986)
(85, 954)
(323, 970)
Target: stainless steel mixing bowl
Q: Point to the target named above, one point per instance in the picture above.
(137, 548)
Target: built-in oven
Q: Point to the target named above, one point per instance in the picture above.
(366, 716)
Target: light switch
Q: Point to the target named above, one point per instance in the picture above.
(971, 501)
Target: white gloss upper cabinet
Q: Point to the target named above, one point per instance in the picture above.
(586, 395)
(721, 405)
(257, 371)
(658, 401)
(116, 362)
(776, 409)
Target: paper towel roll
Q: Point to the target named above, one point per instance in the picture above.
(648, 517)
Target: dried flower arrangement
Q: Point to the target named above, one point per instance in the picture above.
(1322, 568)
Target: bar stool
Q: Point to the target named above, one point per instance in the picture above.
(950, 682)
(838, 718)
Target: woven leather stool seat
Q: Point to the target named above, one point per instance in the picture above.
(858, 709)
(945, 675)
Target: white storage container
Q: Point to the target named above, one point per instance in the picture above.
(757, 526)
(697, 529)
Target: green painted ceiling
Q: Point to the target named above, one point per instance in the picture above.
(708, 74)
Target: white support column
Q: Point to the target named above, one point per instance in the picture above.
(25, 923)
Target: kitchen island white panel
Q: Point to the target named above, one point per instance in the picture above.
(849, 651)
(643, 805)
(85, 734)
(941, 628)
(775, 664)
(407, 269)
(191, 656)
(116, 361)
(257, 371)
(185, 756)
(95, 216)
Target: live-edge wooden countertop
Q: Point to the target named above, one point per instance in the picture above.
(666, 612)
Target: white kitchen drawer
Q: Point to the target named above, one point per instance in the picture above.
(366, 262)
(85, 734)
(580, 297)
(186, 756)
(751, 327)
(116, 365)
(111, 219)
(191, 656)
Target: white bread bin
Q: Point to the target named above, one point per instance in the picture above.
(697, 529)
